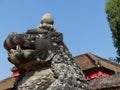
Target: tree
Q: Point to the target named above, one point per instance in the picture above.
(112, 10)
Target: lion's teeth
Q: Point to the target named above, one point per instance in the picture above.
(18, 48)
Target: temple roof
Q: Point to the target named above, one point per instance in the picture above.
(88, 61)
(104, 83)
(7, 83)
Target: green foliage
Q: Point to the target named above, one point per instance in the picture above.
(113, 15)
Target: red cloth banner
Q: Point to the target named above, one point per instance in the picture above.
(95, 74)
(15, 74)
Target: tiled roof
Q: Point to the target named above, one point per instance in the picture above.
(7, 83)
(101, 83)
(88, 61)
(84, 61)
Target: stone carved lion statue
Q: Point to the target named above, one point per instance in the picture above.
(44, 58)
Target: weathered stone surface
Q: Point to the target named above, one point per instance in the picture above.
(39, 79)
(45, 59)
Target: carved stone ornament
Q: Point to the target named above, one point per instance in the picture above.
(43, 60)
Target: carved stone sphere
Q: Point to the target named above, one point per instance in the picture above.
(48, 19)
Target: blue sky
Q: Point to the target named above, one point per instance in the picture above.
(82, 22)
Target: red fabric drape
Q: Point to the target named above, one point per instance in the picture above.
(15, 74)
(95, 74)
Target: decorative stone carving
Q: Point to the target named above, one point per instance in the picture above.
(43, 59)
